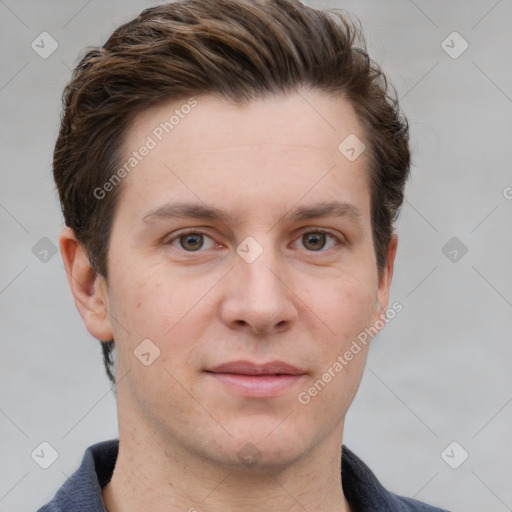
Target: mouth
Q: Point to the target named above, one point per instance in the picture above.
(257, 380)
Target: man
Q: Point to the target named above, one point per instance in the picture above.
(229, 174)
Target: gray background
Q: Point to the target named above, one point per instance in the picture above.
(439, 372)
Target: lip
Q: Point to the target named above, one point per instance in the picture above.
(257, 380)
(248, 368)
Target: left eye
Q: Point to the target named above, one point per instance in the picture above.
(317, 240)
(193, 241)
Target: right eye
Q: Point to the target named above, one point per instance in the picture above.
(192, 241)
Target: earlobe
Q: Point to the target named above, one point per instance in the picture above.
(88, 288)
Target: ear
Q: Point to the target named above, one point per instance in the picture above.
(89, 289)
(386, 275)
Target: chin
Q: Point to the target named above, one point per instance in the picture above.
(253, 458)
(265, 446)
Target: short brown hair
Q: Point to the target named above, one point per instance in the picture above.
(234, 49)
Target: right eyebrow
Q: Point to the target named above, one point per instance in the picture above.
(188, 210)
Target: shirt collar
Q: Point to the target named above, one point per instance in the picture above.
(82, 491)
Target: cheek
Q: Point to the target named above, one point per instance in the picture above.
(346, 305)
(346, 308)
(149, 306)
(145, 302)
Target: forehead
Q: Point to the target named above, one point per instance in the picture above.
(297, 117)
(275, 149)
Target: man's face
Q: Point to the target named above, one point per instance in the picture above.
(287, 275)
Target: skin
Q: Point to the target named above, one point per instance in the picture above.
(181, 432)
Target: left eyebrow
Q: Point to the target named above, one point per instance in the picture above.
(326, 209)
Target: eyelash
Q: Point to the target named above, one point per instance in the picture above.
(302, 233)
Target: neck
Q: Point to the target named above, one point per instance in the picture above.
(162, 476)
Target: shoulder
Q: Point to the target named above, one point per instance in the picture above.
(81, 492)
(410, 505)
(366, 494)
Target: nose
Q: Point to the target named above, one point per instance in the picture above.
(257, 297)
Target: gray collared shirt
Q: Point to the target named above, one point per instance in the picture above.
(82, 490)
